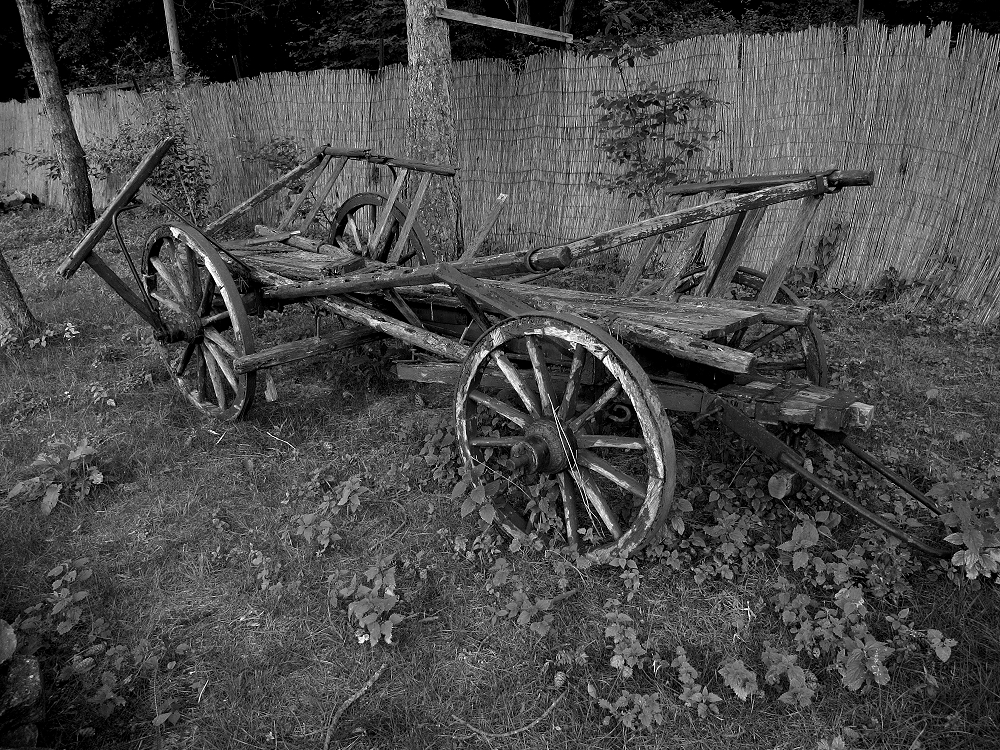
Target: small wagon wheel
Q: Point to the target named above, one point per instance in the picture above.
(794, 350)
(197, 300)
(355, 223)
(549, 408)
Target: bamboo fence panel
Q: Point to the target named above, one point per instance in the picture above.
(913, 104)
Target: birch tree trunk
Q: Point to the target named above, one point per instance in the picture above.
(15, 318)
(431, 126)
(72, 162)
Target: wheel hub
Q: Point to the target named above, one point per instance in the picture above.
(547, 448)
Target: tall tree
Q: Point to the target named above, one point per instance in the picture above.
(15, 318)
(72, 162)
(431, 126)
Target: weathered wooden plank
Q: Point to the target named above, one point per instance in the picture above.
(296, 351)
(732, 228)
(768, 402)
(834, 178)
(488, 223)
(263, 194)
(411, 217)
(675, 220)
(484, 294)
(388, 277)
(733, 314)
(298, 265)
(639, 263)
(321, 197)
(297, 203)
(349, 261)
(684, 346)
(100, 227)
(789, 249)
(733, 258)
(397, 329)
(705, 319)
(377, 241)
(498, 23)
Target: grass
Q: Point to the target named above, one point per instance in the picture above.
(224, 613)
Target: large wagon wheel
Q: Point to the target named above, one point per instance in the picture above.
(196, 297)
(551, 408)
(355, 223)
(781, 350)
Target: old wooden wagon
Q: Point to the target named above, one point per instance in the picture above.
(561, 397)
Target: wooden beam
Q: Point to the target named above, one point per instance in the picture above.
(497, 23)
(486, 228)
(267, 192)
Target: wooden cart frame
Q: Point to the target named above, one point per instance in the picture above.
(561, 396)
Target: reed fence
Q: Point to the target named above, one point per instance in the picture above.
(912, 104)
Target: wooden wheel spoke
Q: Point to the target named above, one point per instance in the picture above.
(212, 320)
(569, 499)
(185, 359)
(767, 338)
(492, 441)
(167, 276)
(542, 377)
(218, 355)
(513, 376)
(220, 341)
(502, 408)
(168, 303)
(187, 269)
(611, 441)
(597, 502)
(611, 472)
(572, 392)
(603, 400)
(216, 378)
(207, 296)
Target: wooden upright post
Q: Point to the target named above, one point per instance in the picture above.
(431, 127)
(176, 61)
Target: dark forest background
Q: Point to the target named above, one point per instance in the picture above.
(124, 41)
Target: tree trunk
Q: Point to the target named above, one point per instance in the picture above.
(431, 127)
(72, 162)
(566, 19)
(15, 318)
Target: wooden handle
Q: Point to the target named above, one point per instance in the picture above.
(98, 229)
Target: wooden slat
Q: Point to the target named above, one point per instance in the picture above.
(297, 351)
(734, 257)
(682, 261)
(627, 287)
(712, 263)
(263, 194)
(297, 204)
(498, 23)
(321, 197)
(411, 217)
(488, 223)
(789, 249)
(377, 241)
